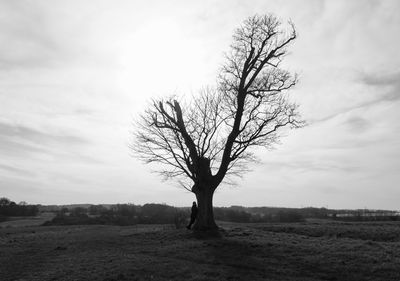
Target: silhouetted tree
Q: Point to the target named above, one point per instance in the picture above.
(5, 201)
(79, 211)
(10, 208)
(97, 209)
(203, 140)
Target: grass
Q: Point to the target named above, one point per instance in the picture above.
(317, 250)
(27, 221)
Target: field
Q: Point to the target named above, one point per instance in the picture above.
(314, 250)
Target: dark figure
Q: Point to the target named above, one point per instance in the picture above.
(193, 215)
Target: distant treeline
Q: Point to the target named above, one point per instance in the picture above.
(130, 214)
(121, 214)
(254, 215)
(271, 214)
(9, 208)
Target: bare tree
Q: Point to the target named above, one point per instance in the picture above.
(204, 140)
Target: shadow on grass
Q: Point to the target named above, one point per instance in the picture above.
(208, 234)
(223, 256)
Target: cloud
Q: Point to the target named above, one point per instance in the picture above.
(15, 131)
(15, 148)
(26, 39)
(381, 88)
(379, 79)
(309, 165)
(387, 85)
(22, 187)
(42, 35)
(357, 124)
(18, 171)
(23, 141)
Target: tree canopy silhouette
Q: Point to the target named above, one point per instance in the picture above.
(203, 140)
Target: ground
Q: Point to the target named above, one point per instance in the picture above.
(314, 250)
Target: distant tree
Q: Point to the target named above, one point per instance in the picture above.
(216, 134)
(10, 208)
(64, 210)
(79, 211)
(128, 210)
(5, 201)
(157, 213)
(97, 209)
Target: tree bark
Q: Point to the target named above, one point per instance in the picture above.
(205, 215)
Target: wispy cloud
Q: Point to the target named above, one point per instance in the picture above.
(24, 142)
(15, 170)
(12, 147)
(309, 165)
(31, 135)
(386, 85)
(357, 124)
(26, 39)
(382, 88)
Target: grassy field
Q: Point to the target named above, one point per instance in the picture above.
(27, 221)
(315, 250)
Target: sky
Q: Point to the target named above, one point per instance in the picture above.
(75, 74)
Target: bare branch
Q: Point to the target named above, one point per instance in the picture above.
(212, 136)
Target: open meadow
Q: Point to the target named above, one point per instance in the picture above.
(313, 250)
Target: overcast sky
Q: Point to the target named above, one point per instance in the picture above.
(74, 74)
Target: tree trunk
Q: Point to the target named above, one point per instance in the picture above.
(205, 214)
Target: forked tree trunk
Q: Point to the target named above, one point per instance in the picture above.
(205, 215)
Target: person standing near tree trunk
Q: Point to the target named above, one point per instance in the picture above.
(193, 215)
